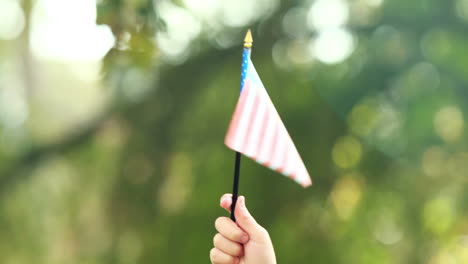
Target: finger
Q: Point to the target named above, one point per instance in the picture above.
(231, 230)
(227, 246)
(246, 221)
(219, 257)
(226, 201)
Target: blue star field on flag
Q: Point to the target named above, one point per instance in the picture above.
(245, 63)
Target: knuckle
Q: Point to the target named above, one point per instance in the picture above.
(264, 231)
(219, 221)
(264, 236)
(214, 255)
(216, 239)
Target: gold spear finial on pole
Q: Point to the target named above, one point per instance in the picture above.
(248, 40)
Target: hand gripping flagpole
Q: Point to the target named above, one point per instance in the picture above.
(245, 61)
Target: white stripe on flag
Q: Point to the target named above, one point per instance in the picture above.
(241, 130)
(252, 146)
(278, 151)
(267, 140)
(295, 160)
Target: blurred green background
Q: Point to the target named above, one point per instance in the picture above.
(113, 115)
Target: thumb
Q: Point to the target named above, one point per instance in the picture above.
(246, 221)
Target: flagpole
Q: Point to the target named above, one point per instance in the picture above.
(245, 61)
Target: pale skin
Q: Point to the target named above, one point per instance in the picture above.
(243, 241)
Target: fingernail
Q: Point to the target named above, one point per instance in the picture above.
(242, 202)
(224, 200)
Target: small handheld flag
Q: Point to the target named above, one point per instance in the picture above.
(245, 58)
(256, 130)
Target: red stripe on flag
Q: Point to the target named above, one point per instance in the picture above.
(284, 159)
(262, 139)
(252, 118)
(239, 113)
(273, 146)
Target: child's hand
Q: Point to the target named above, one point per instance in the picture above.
(241, 242)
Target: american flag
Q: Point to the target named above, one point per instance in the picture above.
(256, 130)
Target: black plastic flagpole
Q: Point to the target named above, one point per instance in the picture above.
(235, 186)
(245, 58)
